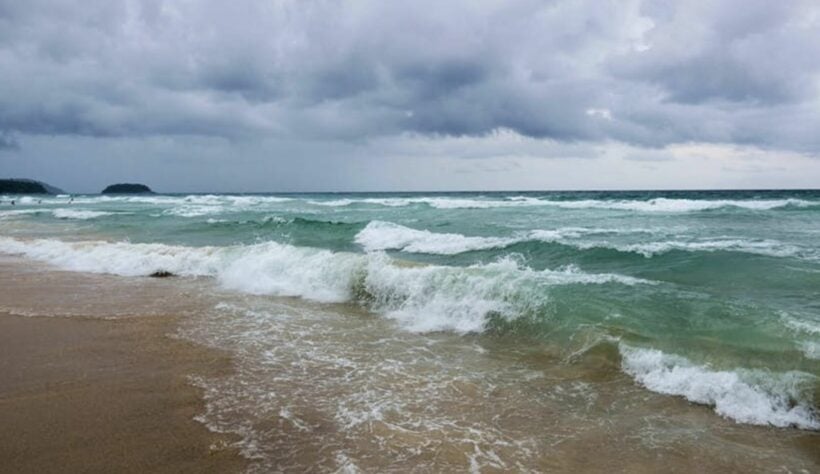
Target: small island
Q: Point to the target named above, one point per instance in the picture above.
(26, 186)
(127, 188)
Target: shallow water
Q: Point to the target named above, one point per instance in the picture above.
(675, 331)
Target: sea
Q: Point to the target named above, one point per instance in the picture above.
(480, 331)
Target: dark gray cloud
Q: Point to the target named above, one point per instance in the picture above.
(646, 73)
(754, 52)
(8, 142)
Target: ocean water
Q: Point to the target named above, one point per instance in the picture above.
(483, 331)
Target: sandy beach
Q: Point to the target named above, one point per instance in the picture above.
(86, 394)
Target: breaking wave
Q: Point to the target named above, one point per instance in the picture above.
(652, 205)
(420, 297)
(759, 247)
(80, 214)
(379, 235)
(746, 396)
(681, 205)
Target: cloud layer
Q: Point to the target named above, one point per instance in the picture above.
(646, 74)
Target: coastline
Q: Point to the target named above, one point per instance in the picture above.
(88, 394)
(297, 384)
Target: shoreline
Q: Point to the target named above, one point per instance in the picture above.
(101, 394)
(98, 373)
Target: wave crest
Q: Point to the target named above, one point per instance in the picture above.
(745, 396)
(380, 235)
(81, 214)
(662, 205)
(419, 297)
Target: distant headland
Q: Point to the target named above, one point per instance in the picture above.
(27, 186)
(127, 188)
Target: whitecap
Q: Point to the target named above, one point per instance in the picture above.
(746, 396)
(81, 214)
(680, 205)
(420, 297)
(770, 248)
(379, 235)
(662, 205)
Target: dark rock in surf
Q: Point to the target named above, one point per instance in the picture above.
(161, 274)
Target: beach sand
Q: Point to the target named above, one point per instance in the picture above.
(87, 394)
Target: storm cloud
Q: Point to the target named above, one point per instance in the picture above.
(646, 74)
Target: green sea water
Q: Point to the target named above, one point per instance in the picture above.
(708, 296)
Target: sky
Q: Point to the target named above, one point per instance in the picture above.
(374, 95)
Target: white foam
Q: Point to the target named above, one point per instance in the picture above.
(435, 202)
(803, 324)
(466, 203)
(679, 205)
(81, 214)
(420, 297)
(193, 211)
(345, 465)
(277, 220)
(651, 205)
(378, 235)
(139, 199)
(18, 212)
(208, 204)
(439, 298)
(662, 205)
(233, 200)
(120, 258)
(811, 349)
(760, 247)
(650, 249)
(389, 202)
(745, 396)
(414, 297)
(243, 201)
(285, 270)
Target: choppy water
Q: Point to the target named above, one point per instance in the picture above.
(419, 315)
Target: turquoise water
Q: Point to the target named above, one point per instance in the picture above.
(709, 296)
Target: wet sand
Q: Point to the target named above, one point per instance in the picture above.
(85, 394)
